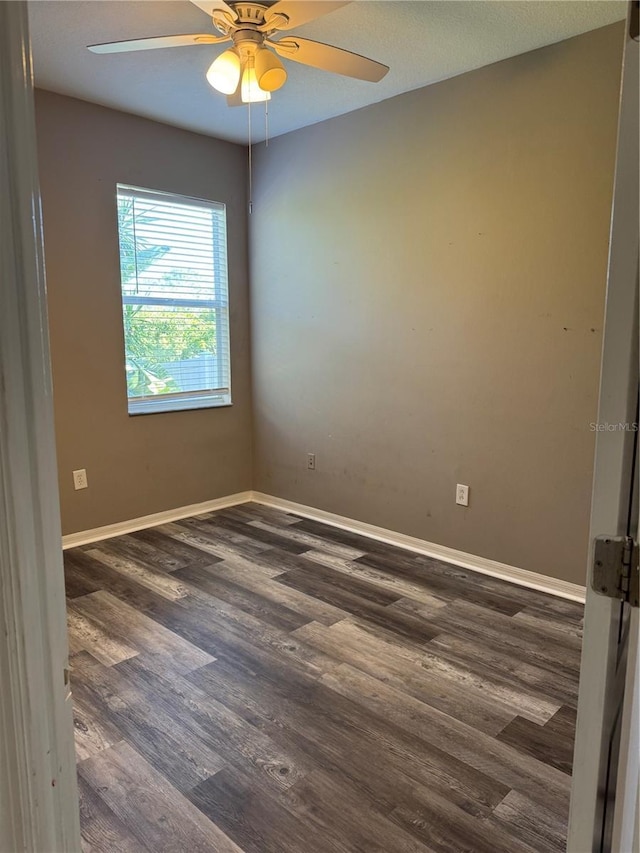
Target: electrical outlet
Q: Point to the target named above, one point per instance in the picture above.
(462, 495)
(311, 461)
(80, 479)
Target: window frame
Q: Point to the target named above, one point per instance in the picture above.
(177, 401)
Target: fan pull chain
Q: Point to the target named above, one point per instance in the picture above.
(250, 163)
(266, 124)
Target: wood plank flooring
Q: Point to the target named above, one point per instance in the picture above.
(248, 681)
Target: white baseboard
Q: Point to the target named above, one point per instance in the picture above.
(522, 577)
(85, 537)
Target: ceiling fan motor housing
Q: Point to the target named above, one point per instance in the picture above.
(247, 41)
(251, 15)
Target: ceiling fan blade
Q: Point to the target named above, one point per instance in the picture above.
(329, 58)
(156, 42)
(211, 6)
(298, 12)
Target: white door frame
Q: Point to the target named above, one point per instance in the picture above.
(613, 466)
(627, 806)
(38, 795)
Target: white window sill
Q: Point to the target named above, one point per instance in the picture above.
(179, 403)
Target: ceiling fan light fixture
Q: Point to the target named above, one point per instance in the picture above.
(250, 90)
(251, 69)
(269, 70)
(224, 72)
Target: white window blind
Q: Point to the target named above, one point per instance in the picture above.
(173, 264)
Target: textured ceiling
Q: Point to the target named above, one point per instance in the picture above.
(421, 40)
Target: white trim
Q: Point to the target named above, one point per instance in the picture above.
(625, 816)
(85, 537)
(484, 566)
(178, 402)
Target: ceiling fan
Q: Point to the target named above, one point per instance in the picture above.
(250, 70)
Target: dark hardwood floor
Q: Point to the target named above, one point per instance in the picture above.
(249, 680)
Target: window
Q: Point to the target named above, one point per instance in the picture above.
(175, 304)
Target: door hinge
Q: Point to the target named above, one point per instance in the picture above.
(615, 568)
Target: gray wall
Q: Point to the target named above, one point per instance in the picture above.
(135, 465)
(428, 277)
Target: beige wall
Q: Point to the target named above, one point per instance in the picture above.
(135, 465)
(428, 278)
